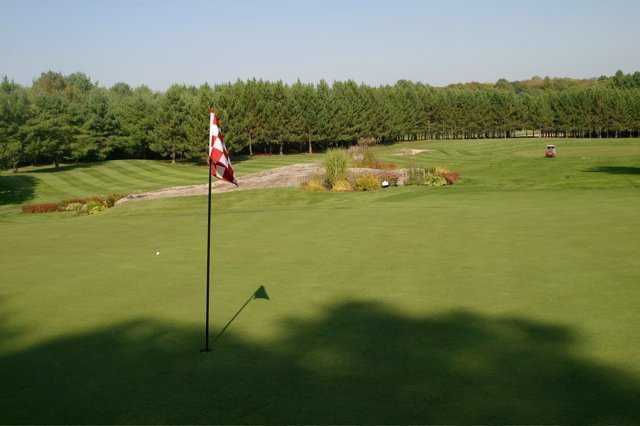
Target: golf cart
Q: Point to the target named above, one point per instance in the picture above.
(550, 152)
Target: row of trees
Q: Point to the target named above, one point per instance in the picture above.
(71, 118)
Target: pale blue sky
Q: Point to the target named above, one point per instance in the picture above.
(438, 42)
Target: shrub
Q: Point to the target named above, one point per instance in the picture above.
(40, 208)
(335, 164)
(82, 200)
(426, 177)
(356, 153)
(87, 203)
(452, 177)
(95, 206)
(435, 180)
(440, 171)
(368, 157)
(314, 184)
(73, 207)
(415, 176)
(342, 185)
(96, 209)
(362, 156)
(391, 177)
(366, 182)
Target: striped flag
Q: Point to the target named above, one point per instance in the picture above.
(218, 154)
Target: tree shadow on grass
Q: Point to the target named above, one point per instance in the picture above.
(64, 168)
(239, 158)
(616, 170)
(359, 362)
(16, 188)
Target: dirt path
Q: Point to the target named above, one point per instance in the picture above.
(293, 175)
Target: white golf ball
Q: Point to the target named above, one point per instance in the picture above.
(157, 253)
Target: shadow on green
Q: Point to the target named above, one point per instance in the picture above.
(65, 167)
(16, 188)
(260, 293)
(616, 170)
(359, 362)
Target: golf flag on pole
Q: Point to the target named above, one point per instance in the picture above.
(218, 154)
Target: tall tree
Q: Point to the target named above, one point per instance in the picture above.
(171, 132)
(14, 114)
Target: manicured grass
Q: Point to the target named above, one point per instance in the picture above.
(519, 164)
(508, 298)
(47, 184)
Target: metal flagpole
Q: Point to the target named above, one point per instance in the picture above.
(206, 327)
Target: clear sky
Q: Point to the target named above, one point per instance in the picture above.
(438, 42)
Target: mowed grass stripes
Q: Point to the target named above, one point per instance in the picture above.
(506, 164)
(46, 184)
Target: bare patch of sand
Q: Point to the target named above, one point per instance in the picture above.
(408, 151)
(287, 176)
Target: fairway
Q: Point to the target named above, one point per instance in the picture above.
(510, 297)
(48, 184)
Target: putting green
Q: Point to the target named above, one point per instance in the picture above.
(508, 298)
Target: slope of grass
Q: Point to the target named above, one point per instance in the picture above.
(47, 184)
(509, 298)
(484, 164)
(519, 164)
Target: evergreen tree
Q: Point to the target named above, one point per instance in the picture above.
(171, 131)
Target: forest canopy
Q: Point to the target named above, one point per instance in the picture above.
(62, 118)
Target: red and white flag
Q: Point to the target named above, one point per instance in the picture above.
(218, 154)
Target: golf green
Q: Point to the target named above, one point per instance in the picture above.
(510, 297)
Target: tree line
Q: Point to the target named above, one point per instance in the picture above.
(62, 118)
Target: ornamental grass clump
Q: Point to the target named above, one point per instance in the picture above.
(314, 184)
(425, 177)
(335, 164)
(367, 182)
(432, 176)
(73, 207)
(362, 156)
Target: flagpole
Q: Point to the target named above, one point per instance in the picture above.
(218, 158)
(206, 328)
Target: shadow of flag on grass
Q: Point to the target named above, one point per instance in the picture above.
(260, 293)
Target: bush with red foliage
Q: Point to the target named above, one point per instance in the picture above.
(107, 202)
(451, 177)
(40, 208)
